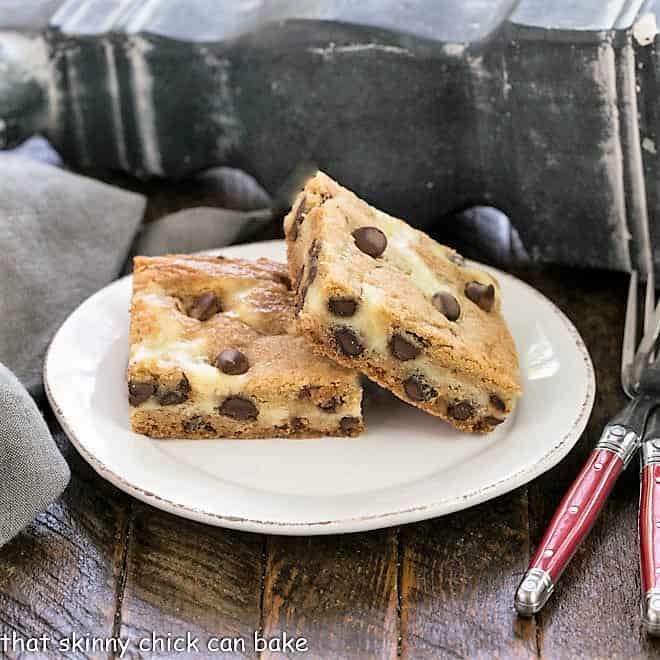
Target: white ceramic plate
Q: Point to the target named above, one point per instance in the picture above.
(408, 466)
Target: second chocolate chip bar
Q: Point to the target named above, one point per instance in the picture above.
(211, 355)
(377, 295)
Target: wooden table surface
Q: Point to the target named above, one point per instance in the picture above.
(98, 563)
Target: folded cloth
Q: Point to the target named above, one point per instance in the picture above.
(62, 237)
(245, 209)
(229, 188)
(32, 470)
(201, 228)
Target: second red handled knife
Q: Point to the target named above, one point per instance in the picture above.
(649, 525)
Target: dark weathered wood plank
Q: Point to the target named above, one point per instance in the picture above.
(58, 577)
(458, 575)
(595, 609)
(338, 592)
(184, 577)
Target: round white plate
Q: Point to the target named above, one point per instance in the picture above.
(408, 466)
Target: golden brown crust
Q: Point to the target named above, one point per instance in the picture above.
(175, 343)
(165, 424)
(393, 294)
(256, 292)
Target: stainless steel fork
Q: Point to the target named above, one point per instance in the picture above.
(618, 443)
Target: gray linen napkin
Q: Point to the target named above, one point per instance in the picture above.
(62, 237)
(32, 470)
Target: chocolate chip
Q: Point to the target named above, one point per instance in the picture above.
(370, 240)
(496, 402)
(306, 392)
(170, 396)
(205, 306)
(331, 404)
(457, 259)
(297, 219)
(293, 231)
(299, 423)
(300, 211)
(197, 423)
(342, 306)
(299, 278)
(461, 410)
(139, 391)
(193, 424)
(349, 425)
(493, 421)
(418, 390)
(285, 280)
(348, 342)
(232, 362)
(402, 349)
(446, 304)
(238, 407)
(313, 261)
(312, 272)
(481, 294)
(413, 389)
(302, 294)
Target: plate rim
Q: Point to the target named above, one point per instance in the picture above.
(373, 521)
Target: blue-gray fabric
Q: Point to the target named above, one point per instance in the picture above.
(32, 470)
(62, 237)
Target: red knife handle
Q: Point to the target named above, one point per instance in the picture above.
(649, 536)
(577, 512)
(569, 526)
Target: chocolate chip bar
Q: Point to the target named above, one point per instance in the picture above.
(211, 355)
(379, 296)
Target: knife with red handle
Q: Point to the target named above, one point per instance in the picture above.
(581, 505)
(649, 525)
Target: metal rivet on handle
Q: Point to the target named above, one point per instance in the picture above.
(573, 509)
(598, 466)
(548, 553)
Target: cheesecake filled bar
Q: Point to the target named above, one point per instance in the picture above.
(211, 355)
(377, 295)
